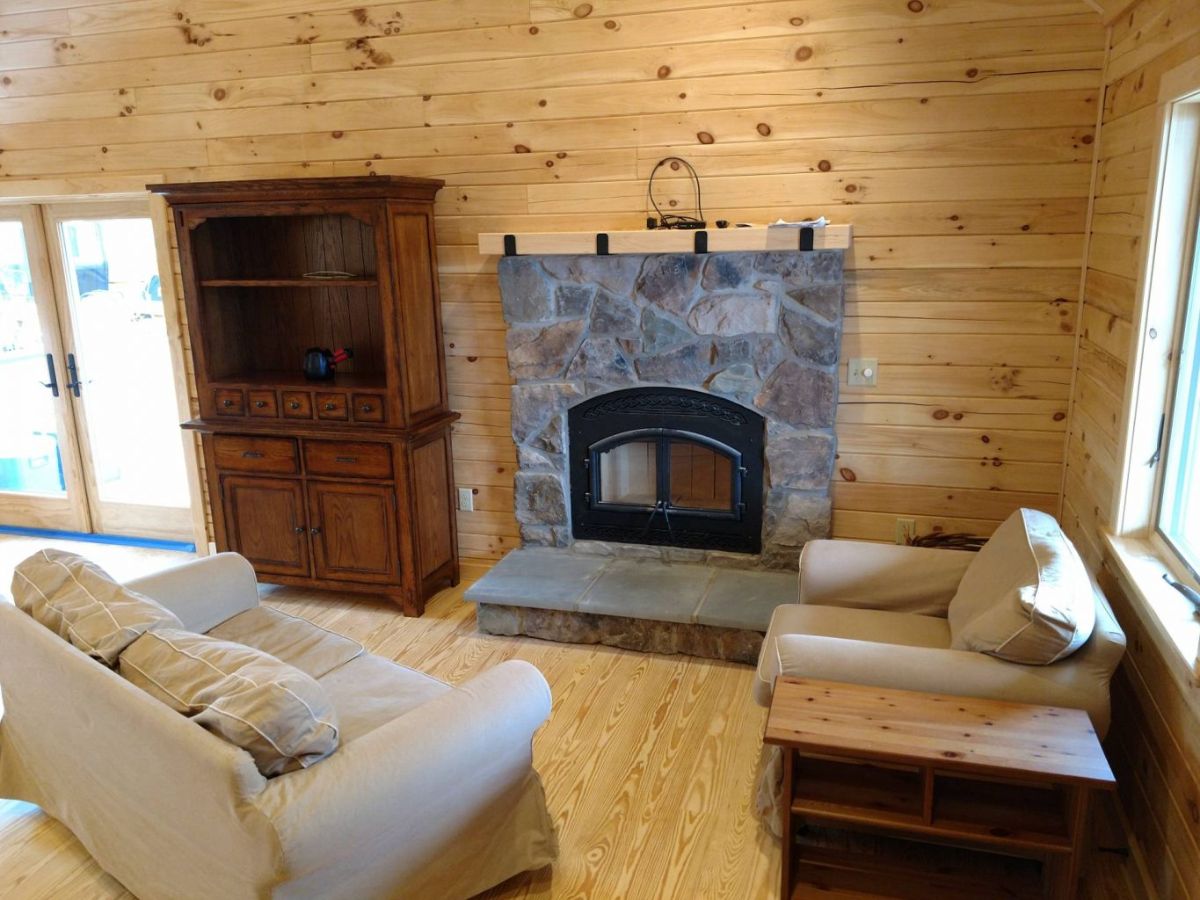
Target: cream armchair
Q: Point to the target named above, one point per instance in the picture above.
(876, 614)
(432, 793)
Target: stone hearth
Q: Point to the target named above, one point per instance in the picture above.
(638, 604)
(762, 329)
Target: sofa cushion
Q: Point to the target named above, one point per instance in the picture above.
(1026, 597)
(78, 600)
(876, 625)
(298, 642)
(280, 715)
(370, 691)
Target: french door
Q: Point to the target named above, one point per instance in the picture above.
(89, 427)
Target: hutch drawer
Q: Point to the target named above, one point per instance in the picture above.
(368, 407)
(262, 404)
(332, 406)
(229, 402)
(297, 405)
(242, 453)
(353, 459)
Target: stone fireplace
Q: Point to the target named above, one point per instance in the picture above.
(661, 342)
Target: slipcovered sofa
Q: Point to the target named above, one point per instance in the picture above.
(431, 793)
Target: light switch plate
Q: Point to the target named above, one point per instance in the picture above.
(466, 500)
(862, 372)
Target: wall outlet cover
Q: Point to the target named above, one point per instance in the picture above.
(466, 499)
(862, 372)
(905, 529)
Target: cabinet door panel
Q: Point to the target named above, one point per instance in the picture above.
(355, 532)
(418, 312)
(435, 516)
(264, 521)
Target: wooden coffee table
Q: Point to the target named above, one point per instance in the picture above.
(891, 771)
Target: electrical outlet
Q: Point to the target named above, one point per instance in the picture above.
(905, 529)
(466, 500)
(862, 372)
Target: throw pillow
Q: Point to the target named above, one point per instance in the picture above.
(1026, 597)
(80, 602)
(281, 716)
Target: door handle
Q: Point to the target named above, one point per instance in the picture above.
(73, 384)
(53, 382)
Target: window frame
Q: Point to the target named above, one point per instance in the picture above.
(1171, 245)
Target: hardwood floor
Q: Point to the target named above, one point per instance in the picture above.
(649, 761)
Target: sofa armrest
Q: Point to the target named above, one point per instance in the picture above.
(204, 592)
(435, 782)
(959, 672)
(894, 577)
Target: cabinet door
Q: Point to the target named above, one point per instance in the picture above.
(354, 531)
(264, 521)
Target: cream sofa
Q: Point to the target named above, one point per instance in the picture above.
(877, 614)
(431, 794)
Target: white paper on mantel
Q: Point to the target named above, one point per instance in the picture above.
(819, 222)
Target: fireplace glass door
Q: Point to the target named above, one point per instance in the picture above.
(665, 465)
(662, 470)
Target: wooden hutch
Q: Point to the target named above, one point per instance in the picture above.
(343, 483)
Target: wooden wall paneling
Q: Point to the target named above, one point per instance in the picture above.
(957, 142)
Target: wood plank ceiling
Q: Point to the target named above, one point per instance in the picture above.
(955, 137)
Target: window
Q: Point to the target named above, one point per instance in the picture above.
(1178, 519)
(1156, 517)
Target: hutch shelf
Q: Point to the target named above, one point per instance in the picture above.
(342, 483)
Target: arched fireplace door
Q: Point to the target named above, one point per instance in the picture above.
(666, 466)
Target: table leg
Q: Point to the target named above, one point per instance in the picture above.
(789, 836)
(1063, 870)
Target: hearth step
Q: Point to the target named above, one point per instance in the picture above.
(607, 600)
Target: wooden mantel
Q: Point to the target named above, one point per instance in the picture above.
(712, 240)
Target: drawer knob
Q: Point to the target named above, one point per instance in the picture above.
(367, 407)
(331, 406)
(314, 531)
(228, 404)
(299, 529)
(295, 404)
(252, 454)
(259, 404)
(346, 459)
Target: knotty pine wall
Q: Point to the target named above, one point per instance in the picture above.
(1155, 741)
(955, 136)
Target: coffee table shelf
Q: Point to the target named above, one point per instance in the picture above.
(984, 776)
(911, 872)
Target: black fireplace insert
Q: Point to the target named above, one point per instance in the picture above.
(666, 466)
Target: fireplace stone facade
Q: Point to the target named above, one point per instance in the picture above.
(761, 329)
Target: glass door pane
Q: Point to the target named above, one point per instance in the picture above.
(700, 477)
(126, 387)
(629, 474)
(30, 460)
